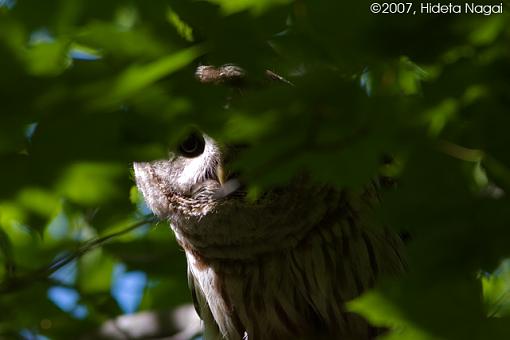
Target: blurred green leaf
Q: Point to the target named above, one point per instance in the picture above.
(137, 77)
(184, 30)
(118, 41)
(496, 290)
(40, 201)
(48, 59)
(90, 183)
(95, 272)
(259, 6)
(381, 312)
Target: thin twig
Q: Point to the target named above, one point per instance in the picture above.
(18, 282)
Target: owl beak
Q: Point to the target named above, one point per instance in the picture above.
(227, 186)
(220, 173)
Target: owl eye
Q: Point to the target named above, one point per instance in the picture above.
(192, 146)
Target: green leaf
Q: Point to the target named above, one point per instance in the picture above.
(138, 77)
(256, 6)
(90, 183)
(48, 59)
(496, 291)
(184, 30)
(95, 272)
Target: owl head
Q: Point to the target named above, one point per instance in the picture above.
(187, 184)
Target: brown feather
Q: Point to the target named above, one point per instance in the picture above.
(279, 268)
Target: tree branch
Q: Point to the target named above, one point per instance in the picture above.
(15, 283)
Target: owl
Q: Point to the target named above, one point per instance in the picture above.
(279, 267)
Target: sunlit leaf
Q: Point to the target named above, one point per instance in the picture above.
(496, 290)
(48, 58)
(137, 77)
(90, 183)
(252, 5)
(39, 201)
(184, 30)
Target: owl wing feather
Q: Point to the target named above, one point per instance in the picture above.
(211, 330)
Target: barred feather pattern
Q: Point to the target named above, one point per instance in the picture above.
(296, 292)
(278, 268)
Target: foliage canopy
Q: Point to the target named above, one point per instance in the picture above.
(89, 86)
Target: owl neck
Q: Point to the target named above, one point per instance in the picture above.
(240, 231)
